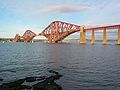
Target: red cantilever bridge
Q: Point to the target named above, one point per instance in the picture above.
(58, 30)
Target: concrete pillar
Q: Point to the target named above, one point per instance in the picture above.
(104, 37)
(118, 36)
(82, 35)
(93, 37)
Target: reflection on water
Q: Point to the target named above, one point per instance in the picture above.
(82, 66)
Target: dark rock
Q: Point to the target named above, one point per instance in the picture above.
(53, 78)
(57, 77)
(51, 71)
(39, 85)
(1, 79)
(47, 87)
(12, 85)
(21, 87)
(30, 79)
(40, 78)
(25, 87)
(48, 84)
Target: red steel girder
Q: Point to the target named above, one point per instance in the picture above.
(58, 30)
(59, 27)
(104, 27)
(16, 38)
(28, 36)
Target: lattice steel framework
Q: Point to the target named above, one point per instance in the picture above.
(58, 30)
(28, 36)
(16, 38)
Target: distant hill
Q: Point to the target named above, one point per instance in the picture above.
(6, 39)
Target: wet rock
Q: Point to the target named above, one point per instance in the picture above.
(30, 79)
(57, 77)
(12, 85)
(51, 71)
(47, 87)
(40, 78)
(1, 79)
(20, 87)
(25, 87)
(52, 78)
(48, 84)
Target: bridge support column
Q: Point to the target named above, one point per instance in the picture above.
(118, 36)
(93, 37)
(50, 39)
(104, 37)
(82, 35)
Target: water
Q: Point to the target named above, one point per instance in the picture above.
(83, 67)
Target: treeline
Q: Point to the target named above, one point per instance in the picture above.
(6, 39)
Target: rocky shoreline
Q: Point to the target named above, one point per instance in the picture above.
(34, 83)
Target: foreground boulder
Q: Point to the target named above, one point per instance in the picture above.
(16, 85)
(51, 71)
(30, 79)
(48, 84)
(1, 79)
(43, 83)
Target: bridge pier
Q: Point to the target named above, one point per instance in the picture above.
(118, 36)
(93, 37)
(82, 35)
(104, 37)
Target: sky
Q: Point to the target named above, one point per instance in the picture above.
(17, 16)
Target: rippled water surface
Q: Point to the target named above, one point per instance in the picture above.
(83, 67)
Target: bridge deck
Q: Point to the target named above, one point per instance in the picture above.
(104, 27)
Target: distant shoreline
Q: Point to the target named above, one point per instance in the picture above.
(45, 40)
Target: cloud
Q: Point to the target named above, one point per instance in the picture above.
(105, 13)
(67, 8)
